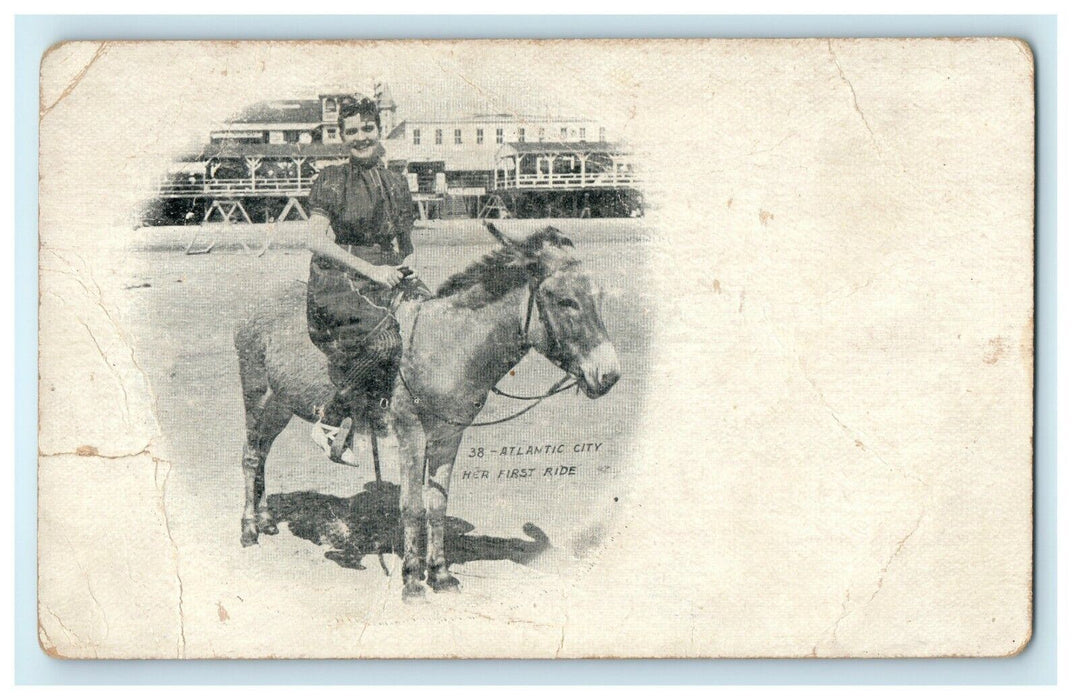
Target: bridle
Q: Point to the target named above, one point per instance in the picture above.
(554, 350)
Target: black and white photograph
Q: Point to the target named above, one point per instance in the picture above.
(536, 349)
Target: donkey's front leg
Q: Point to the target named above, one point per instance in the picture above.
(440, 459)
(412, 444)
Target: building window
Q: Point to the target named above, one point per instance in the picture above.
(498, 136)
(521, 135)
(541, 134)
(479, 136)
(582, 133)
(602, 134)
(457, 136)
(331, 133)
(416, 137)
(564, 133)
(438, 137)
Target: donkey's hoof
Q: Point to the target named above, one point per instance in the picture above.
(249, 532)
(444, 584)
(413, 592)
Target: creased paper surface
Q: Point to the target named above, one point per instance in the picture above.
(820, 443)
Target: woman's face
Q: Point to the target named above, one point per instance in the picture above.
(361, 134)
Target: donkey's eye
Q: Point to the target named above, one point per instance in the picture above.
(568, 303)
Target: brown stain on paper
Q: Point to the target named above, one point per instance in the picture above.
(86, 451)
(222, 614)
(997, 347)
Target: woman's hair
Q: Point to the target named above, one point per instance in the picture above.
(351, 107)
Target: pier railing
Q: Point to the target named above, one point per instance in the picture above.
(563, 181)
(223, 188)
(238, 187)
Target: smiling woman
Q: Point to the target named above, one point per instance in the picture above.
(360, 238)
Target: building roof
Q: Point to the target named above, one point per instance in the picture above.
(282, 111)
(383, 97)
(397, 131)
(562, 147)
(274, 150)
(498, 119)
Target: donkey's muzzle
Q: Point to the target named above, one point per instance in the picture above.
(600, 371)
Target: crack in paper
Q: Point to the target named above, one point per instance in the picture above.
(164, 482)
(846, 610)
(74, 83)
(854, 97)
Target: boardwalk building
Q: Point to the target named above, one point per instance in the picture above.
(259, 166)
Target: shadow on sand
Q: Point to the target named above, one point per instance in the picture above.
(371, 524)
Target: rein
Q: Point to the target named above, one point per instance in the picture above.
(556, 388)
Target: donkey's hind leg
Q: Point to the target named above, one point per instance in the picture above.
(262, 429)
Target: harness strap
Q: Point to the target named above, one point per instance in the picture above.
(528, 314)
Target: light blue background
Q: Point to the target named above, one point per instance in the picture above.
(34, 34)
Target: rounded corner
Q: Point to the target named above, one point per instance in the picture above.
(46, 647)
(53, 48)
(1022, 646)
(1024, 48)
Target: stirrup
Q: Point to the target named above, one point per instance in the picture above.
(334, 442)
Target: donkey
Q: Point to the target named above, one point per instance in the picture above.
(525, 295)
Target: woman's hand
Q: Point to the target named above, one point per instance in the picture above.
(386, 275)
(320, 240)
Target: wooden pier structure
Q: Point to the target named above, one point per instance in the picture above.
(262, 183)
(557, 179)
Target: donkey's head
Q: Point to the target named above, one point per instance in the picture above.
(563, 316)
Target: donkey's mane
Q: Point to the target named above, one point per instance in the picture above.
(497, 272)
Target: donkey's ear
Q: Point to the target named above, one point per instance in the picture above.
(556, 238)
(501, 237)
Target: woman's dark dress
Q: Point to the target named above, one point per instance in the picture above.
(348, 316)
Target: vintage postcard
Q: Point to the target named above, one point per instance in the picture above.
(536, 349)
